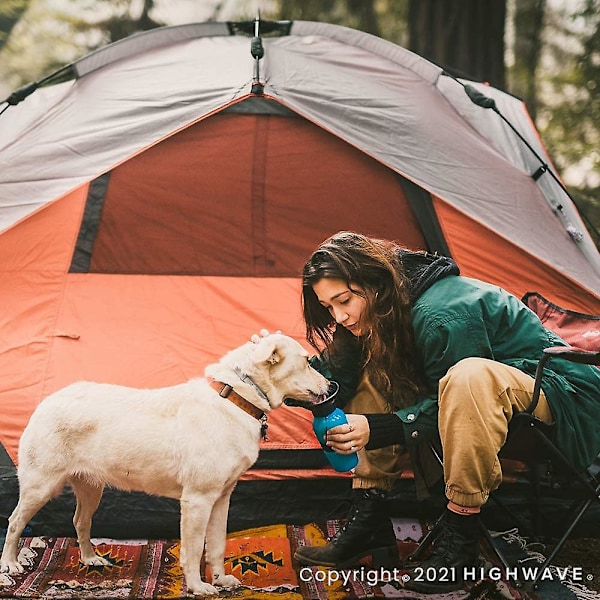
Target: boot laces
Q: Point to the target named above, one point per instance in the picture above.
(445, 538)
(351, 518)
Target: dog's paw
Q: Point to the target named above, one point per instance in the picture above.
(201, 588)
(11, 567)
(226, 581)
(96, 561)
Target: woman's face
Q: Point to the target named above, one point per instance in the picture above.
(344, 304)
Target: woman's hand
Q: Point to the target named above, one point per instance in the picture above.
(349, 438)
(255, 338)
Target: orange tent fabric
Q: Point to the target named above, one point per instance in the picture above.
(146, 228)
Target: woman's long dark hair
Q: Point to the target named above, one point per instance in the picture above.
(387, 334)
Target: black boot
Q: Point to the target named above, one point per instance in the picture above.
(367, 535)
(455, 556)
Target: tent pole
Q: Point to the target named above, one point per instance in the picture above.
(257, 51)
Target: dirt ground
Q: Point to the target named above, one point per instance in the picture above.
(584, 553)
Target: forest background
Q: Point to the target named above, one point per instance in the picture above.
(546, 52)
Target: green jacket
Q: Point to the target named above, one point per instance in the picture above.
(458, 317)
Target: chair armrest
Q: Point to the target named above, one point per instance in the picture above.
(586, 357)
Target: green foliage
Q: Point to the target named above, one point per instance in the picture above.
(572, 114)
(384, 18)
(10, 13)
(47, 35)
(569, 119)
(13, 8)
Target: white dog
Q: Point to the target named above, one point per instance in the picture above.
(191, 441)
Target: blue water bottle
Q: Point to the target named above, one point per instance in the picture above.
(326, 416)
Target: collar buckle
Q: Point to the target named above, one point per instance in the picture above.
(226, 391)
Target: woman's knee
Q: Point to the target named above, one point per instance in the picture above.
(467, 370)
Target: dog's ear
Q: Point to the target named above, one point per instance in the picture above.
(267, 351)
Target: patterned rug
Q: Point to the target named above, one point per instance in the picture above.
(262, 560)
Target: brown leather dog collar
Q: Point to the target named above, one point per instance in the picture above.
(226, 391)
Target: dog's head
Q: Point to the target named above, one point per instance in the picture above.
(278, 366)
(281, 369)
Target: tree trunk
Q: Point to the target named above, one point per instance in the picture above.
(529, 22)
(462, 36)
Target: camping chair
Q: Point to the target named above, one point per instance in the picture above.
(531, 441)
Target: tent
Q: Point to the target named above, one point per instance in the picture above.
(159, 196)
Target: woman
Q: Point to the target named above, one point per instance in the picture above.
(422, 353)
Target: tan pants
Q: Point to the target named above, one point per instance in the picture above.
(477, 398)
(376, 468)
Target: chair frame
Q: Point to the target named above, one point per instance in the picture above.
(541, 432)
